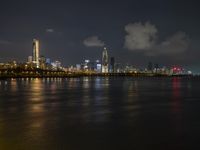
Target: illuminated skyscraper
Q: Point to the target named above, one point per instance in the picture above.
(36, 52)
(104, 66)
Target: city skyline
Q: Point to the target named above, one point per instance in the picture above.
(40, 65)
(69, 33)
(106, 65)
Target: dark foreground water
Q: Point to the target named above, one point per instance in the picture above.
(100, 114)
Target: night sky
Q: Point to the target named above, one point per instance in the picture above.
(134, 31)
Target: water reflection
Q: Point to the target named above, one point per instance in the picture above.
(36, 113)
(41, 113)
(131, 88)
(36, 90)
(14, 87)
(3, 84)
(177, 109)
(101, 91)
(94, 101)
(98, 83)
(176, 97)
(72, 82)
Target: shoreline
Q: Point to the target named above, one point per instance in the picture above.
(77, 75)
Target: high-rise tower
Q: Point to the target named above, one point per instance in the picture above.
(36, 50)
(104, 67)
(112, 64)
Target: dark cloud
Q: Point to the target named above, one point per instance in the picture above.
(140, 36)
(93, 41)
(143, 38)
(175, 44)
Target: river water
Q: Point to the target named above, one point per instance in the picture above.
(100, 113)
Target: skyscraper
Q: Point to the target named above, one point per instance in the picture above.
(112, 64)
(36, 52)
(104, 67)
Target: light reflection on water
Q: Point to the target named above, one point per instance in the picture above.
(44, 112)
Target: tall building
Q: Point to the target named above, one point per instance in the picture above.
(112, 64)
(36, 50)
(104, 66)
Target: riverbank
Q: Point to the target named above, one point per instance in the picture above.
(69, 75)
